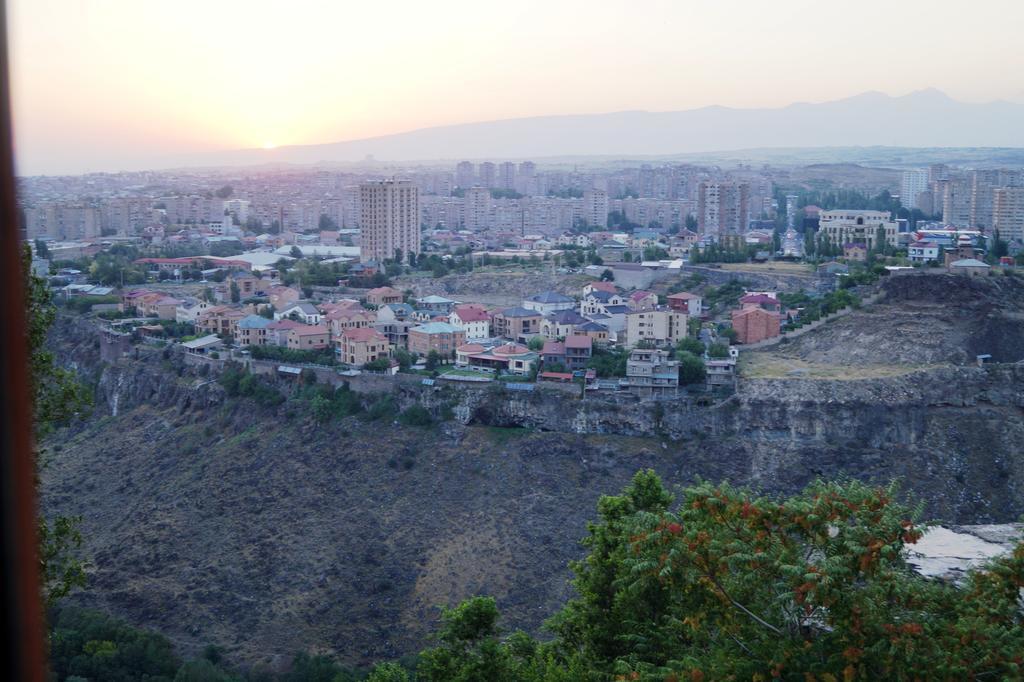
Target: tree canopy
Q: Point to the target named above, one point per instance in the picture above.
(724, 584)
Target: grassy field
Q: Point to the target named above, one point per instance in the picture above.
(764, 366)
(782, 267)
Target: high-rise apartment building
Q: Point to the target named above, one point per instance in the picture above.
(465, 174)
(1008, 213)
(956, 201)
(984, 184)
(913, 183)
(389, 219)
(595, 207)
(723, 208)
(507, 175)
(477, 209)
(488, 174)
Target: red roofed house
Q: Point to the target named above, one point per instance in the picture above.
(360, 346)
(608, 287)
(281, 297)
(383, 295)
(163, 307)
(641, 300)
(578, 350)
(278, 331)
(763, 301)
(309, 337)
(473, 318)
(350, 318)
(221, 319)
(686, 302)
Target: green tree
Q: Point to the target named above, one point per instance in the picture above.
(598, 624)
(57, 397)
(535, 343)
(469, 648)
(607, 275)
(691, 369)
(388, 672)
(433, 360)
(236, 294)
(225, 191)
(718, 350)
(416, 415)
(690, 344)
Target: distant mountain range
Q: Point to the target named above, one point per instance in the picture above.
(927, 118)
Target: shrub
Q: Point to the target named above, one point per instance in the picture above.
(416, 415)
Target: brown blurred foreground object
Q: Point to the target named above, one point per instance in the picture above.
(22, 657)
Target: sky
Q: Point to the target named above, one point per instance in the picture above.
(105, 85)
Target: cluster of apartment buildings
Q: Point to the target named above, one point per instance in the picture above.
(987, 199)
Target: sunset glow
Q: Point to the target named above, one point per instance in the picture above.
(135, 83)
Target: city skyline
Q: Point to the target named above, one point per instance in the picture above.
(154, 82)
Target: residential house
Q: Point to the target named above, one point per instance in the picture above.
(855, 251)
(597, 302)
(349, 318)
(130, 300)
(754, 324)
(641, 300)
(598, 333)
(549, 302)
(560, 324)
(309, 337)
(923, 252)
(437, 304)
(301, 311)
(579, 348)
(282, 297)
(248, 285)
(391, 312)
(972, 267)
(517, 324)
(383, 296)
(657, 326)
(396, 331)
(513, 358)
(220, 319)
(474, 319)
(649, 372)
(163, 307)
(760, 300)
(360, 346)
(189, 309)
(599, 285)
(720, 373)
(279, 330)
(684, 301)
(251, 330)
(553, 353)
(437, 336)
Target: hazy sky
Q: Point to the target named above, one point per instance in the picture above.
(112, 84)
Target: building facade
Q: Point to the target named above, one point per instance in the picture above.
(389, 219)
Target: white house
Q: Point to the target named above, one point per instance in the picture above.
(922, 252)
(304, 311)
(473, 319)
